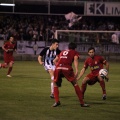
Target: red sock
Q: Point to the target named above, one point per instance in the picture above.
(79, 94)
(56, 94)
(102, 84)
(9, 70)
(83, 87)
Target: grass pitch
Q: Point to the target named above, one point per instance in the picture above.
(25, 96)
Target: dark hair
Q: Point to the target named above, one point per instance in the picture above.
(10, 37)
(54, 41)
(72, 45)
(91, 48)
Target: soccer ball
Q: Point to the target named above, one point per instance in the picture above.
(103, 72)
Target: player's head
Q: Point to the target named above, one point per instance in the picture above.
(54, 44)
(91, 51)
(54, 41)
(72, 46)
(11, 39)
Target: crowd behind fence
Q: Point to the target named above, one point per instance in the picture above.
(39, 29)
(42, 27)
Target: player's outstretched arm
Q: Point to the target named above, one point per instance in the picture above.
(107, 78)
(76, 65)
(107, 67)
(81, 73)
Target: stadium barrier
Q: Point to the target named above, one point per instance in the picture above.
(30, 50)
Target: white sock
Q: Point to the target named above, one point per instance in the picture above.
(52, 78)
(52, 88)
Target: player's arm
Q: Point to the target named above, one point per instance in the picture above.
(107, 67)
(40, 57)
(106, 64)
(81, 73)
(15, 48)
(3, 47)
(40, 60)
(76, 65)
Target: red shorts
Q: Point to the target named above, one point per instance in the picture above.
(92, 79)
(8, 59)
(67, 72)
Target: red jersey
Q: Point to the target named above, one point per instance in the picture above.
(66, 57)
(9, 46)
(8, 56)
(96, 63)
(64, 65)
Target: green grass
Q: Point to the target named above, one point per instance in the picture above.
(25, 96)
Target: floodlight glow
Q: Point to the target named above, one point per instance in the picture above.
(5, 4)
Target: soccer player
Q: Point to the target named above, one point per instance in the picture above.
(46, 57)
(64, 68)
(95, 62)
(9, 47)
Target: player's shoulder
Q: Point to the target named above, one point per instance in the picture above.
(88, 59)
(74, 53)
(44, 50)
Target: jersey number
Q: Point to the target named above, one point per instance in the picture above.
(65, 53)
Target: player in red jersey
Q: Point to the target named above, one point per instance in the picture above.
(95, 62)
(64, 68)
(9, 47)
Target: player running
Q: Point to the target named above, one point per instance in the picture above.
(9, 47)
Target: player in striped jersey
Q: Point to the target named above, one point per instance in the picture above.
(46, 57)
